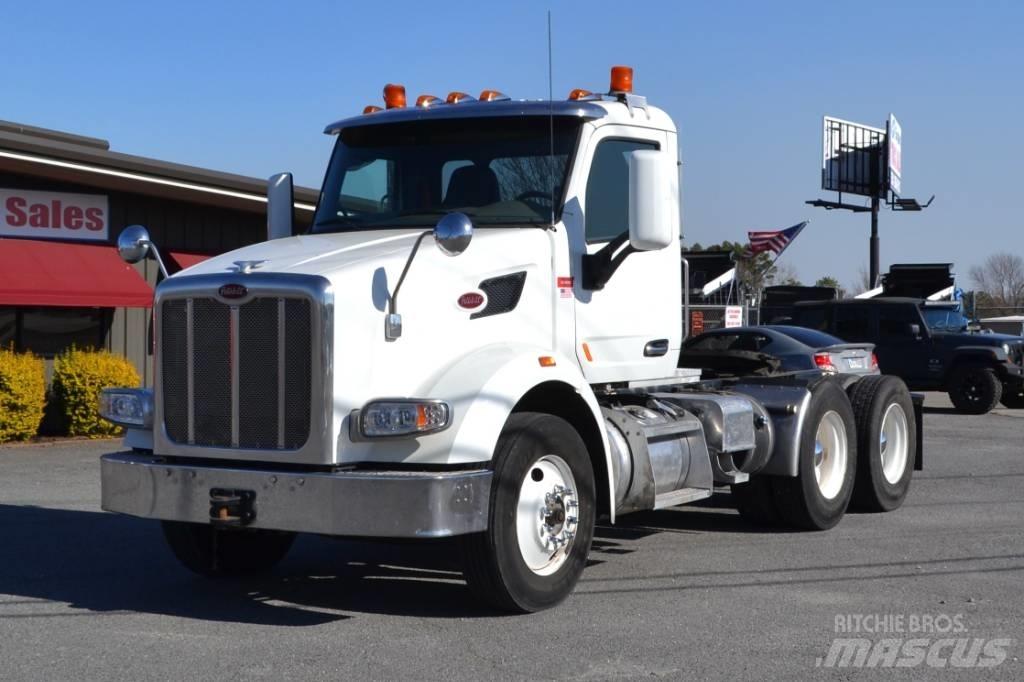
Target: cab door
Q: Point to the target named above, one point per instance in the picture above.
(631, 328)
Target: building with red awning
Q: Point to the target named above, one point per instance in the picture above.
(65, 198)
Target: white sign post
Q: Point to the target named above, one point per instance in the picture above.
(54, 215)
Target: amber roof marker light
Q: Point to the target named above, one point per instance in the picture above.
(394, 96)
(579, 93)
(455, 97)
(371, 109)
(622, 80)
(424, 101)
(493, 96)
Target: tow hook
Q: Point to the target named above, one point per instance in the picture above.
(232, 507)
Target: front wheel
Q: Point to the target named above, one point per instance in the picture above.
(974, 389)
(1013, 398)
(541, 517)
(216, 553)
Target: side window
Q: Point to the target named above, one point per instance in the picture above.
(853, 323)
(894, 322)
(607, 209)
(367, 188)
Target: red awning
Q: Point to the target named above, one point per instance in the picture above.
(187, 260)
(59, 274)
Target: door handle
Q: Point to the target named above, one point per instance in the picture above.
(656, 348)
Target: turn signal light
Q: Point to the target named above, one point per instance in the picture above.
(874, 361)
(823, 361)
(394, 96)
(456, 97)
(622, 80)
(546, 361)
(395, 418)
(493, 96)
(580, 93)
(370, 109)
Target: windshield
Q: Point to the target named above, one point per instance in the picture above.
(944, 319)
(497, 170)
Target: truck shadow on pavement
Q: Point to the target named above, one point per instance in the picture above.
(110, 564)
(98, 563)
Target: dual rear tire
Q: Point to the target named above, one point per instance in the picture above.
(855, 448)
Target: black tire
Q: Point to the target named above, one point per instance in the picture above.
(974, 389)
(1013, 398)
(872, 398)
(800, 500)
(217, 553)
(493, 564)
(755, 501)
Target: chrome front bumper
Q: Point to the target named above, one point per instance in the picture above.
(354, 503)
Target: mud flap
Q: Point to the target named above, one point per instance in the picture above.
(918, 400)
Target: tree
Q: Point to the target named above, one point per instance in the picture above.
(827, 281)
(785, 274)
(1000, 280)
(862, 283)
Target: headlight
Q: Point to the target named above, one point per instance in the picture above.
(396, 418)
(131, 407)
(1006, 349)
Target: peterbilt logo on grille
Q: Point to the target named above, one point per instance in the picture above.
(232, 291)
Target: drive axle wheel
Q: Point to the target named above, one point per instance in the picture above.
(215, 552)
(886, 441)
(817, 498)
(541, 517)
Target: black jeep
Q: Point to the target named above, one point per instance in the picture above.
(931, 346)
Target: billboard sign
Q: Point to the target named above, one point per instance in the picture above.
(54, 215)
(852, 158)
(895, 134)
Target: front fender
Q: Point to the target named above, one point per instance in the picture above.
(483, 389)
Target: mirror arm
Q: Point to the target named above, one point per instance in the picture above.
(599, 267)
(151, 247)
(393, 299)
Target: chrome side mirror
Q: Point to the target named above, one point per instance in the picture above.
(453, 233)
(134, 244)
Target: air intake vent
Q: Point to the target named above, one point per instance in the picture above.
(502, 294)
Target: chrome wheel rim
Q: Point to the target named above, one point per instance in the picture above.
(547, 514)
(893, 443)
(831, 455)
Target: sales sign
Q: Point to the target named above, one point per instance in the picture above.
(53, 215)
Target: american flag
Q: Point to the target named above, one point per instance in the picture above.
(775, 241)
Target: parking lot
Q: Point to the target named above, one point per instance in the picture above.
(691, 591)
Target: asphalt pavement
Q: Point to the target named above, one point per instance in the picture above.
(691, 592)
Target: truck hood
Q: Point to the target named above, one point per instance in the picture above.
(316, 254)
(977, 339)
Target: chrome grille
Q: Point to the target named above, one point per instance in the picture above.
(237, 376)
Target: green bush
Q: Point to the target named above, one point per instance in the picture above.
(78, 376)
(22, 394)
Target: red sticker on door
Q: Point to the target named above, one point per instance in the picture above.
(564, 286)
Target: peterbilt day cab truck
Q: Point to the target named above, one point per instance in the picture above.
(477, 338)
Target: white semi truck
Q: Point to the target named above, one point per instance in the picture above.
(478, 337)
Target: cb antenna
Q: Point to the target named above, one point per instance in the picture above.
(551, 124)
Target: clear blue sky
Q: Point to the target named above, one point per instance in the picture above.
(248, 87)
